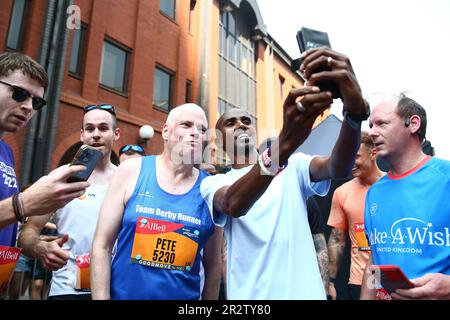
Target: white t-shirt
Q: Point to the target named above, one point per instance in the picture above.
(78, 219)
(271, 252)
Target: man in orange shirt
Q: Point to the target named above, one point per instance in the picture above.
(347, 215)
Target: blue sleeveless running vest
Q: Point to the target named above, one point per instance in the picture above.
(159, 247)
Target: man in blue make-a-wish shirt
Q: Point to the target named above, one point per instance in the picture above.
(407, 212)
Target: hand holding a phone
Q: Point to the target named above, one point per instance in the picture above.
(52, 191)
(431, 286)
(338, 69)
(297, 124)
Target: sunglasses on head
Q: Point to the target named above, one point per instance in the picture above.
(133, 147)
(20, 95)
(106, 107)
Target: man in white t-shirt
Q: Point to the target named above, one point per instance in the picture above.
(261, 202)
(68, 257)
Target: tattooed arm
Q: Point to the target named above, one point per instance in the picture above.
(322, 257)
(336, 245)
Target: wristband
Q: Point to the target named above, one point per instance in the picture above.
(355, 125)
(18, 208)
(269, 167)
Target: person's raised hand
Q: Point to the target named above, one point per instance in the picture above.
(52, 191)
(340, 71)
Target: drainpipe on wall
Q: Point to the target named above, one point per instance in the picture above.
(40, 136)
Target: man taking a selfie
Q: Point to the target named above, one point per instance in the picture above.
(261, 202)
(68, 256)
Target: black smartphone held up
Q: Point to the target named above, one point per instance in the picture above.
(88, 157)
(309, 38)
(391, 277)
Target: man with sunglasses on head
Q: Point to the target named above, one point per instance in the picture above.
(129, 151)
(68, 256)
(22, 85)
(164, 232)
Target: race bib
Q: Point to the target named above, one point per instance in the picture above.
(8, 260)
(83, 272)
(361, 240)
(163, 244)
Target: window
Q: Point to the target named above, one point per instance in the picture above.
(114, 67)
(167, 7)
(191, 15)
(280, 84)
(237, 79)
(17, 25)
(78, 50)
(162, 89)
(188, 91)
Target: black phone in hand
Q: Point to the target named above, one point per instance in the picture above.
(88, 157)
(308, 39)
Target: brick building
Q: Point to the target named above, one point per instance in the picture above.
(144, 57)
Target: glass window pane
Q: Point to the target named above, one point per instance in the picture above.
(220, 39)
(221, 107)
(244, 62)
(78, 49)
(188, 91)
(244, 91)
(112, 71)
(161, 89)
(168, 7)
(75, 50)
(231, 24)
(223, 17)
(222, 77)
(251, 97)
(231, 80)
(251, 64)
(231, 48)
(15, 25)
(238, 53)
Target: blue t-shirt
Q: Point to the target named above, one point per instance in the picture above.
(8, 187)
(159, 246)
(407, 219)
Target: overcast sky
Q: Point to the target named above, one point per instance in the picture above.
(395, 46)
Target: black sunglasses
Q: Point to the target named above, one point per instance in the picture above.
(106, 107)
(133, 147)
(20, 95)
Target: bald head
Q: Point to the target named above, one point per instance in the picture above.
(176, 113)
